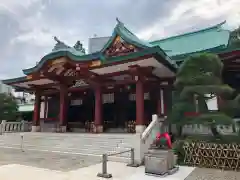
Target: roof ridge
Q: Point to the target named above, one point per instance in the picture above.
(121, 26)
(191, 33)
(127, 35)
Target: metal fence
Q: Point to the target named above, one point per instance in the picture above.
(104, 173)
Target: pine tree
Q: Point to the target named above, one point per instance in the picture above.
(199, 79)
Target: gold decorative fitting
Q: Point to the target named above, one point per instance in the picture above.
(95, 63)
(29, 77)
(131, 46)
(120, 47)
(41, 74)
(57, 61)
(118, 38)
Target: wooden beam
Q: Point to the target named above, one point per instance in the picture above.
(144, 72)
(237, 66)
(68, 81)
(45, 86)
(92, 77)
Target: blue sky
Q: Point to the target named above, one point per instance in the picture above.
(28, 26)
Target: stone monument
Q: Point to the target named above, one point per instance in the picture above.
(160, 159)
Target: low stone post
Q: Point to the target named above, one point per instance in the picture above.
(23, 126)
(3, 126)
(1, 129)
(132, 159)
(104, 173)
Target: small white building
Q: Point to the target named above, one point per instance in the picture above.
(5, 88)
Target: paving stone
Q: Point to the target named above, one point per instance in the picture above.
(48, 160)
(72, 161)
(96, 144)
(213, 174)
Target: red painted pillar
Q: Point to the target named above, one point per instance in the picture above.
(140, 121)
(36, 113)
(63, 110)
(98, 111)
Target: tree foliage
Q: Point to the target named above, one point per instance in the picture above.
(200, 78)
(8, 107)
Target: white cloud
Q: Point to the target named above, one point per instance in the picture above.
(190, 12)
(28, 26)
(15, 4)
(15, 7)
(37, 37)
(37, 30)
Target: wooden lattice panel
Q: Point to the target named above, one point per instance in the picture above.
(212, 155)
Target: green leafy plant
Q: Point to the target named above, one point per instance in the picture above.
(199, 79)
(179, 151)
(8, 107)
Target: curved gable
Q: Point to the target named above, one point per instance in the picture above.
(125, 35)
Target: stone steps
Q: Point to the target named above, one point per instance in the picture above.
(85, 144)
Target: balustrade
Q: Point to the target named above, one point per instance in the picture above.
(22, 126)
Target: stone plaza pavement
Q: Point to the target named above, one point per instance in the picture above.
(38, 165)
(38, 161)
(119, 171)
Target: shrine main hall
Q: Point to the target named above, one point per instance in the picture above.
(118, 86)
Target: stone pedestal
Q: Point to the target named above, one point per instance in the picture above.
(63, 129)
(60, 129)
(36, 128)
(140, 128)
(160, 162)
(98, 129)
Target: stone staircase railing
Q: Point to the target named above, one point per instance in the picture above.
(149, 134)
(22, 126)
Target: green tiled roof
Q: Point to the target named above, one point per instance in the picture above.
(201, 40)
(19, 79)
(127, 36)
(218, 49)
(63, 50)
(105, 60)
(156, 51)
(25, 107)
(212, 39)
